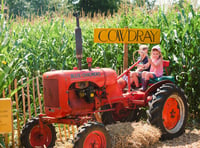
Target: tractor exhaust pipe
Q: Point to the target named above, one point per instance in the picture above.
(78, 41)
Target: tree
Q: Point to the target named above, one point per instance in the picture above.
(95, 6)
(141, 3)
(26, 7)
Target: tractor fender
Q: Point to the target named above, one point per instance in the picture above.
(154, 87)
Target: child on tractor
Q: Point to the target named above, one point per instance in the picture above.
(156, 70)
(142, 66)
(143, 52)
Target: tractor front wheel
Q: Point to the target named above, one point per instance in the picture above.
(92, 134)
(33, 136)
(168, 111)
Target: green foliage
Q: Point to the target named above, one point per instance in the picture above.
(26, 8)
(9, 64)
(2, 143)
(182, 41)
(96, 6)
(2, 6)
(31, 48)
(63, 6)
(144, 3)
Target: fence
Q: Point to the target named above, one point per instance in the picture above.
(27, 103)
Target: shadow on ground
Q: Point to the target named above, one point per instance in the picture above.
(190, 139)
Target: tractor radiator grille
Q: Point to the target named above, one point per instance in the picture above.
(51, 97)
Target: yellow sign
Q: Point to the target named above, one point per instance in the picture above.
(5, 115)
(125, 35)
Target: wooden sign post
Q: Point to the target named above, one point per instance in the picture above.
(125, 58)
(126, 36)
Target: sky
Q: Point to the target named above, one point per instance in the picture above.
(168, 2)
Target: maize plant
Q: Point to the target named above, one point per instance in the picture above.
(30, 48)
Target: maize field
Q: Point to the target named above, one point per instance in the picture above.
(30, 47)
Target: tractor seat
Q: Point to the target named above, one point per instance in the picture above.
(171, 78)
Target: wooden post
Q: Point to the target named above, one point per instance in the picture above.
(9, 89)
(17, 113)
(68, 130)
(24, 106)
(98, 117)
(34, 98)
(28, 97)
(38, 91)
(65, 132)
(60, 133)
(13, 137)
(73, 131)
(4, 94)
(125, 59)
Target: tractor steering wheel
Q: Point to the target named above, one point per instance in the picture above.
(133, 65)
(134, 55)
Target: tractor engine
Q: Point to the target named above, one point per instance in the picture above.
(74, 92)
(86, 90)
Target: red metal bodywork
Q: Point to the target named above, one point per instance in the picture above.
(64, 104)
(60, 100)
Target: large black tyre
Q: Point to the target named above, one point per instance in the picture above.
(111, 117)
(31, 135)
(168, 110)
(92, 134)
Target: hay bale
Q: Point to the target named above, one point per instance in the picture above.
(133, 135)
(67, 144)
(128, 135)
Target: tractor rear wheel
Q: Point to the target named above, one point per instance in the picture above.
(92, 134)
(168, 111)
(32, 136)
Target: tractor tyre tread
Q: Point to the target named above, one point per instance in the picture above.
(154, 113)
(26, 131)
(86, 129)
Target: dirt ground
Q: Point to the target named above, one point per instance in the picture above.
(190, 139)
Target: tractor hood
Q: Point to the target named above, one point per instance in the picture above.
(99, 76)
(56, 86)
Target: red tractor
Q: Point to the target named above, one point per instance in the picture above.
(91, 98)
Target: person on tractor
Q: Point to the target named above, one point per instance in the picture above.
(156, 69)
(142, 66)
